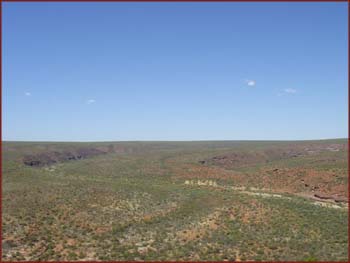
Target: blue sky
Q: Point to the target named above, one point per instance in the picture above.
(174, 71)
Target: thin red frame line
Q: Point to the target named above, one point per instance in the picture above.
(173, 261)
(1, 129)
(165, 1)
(189, 1)
(348, 133)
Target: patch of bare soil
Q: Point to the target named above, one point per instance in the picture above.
(298, 180)
(200, 229)
(322, 184)
(279, 180)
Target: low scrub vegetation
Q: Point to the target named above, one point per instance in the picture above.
(232, 201)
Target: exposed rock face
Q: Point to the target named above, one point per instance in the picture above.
(201, 182)
(232, 160)
(239, 159)
(336, 199)
(49, 158)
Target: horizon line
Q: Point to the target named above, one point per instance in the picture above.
(243, 140)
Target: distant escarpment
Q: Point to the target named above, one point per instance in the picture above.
(53, 157)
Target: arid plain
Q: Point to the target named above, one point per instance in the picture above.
(185, 201)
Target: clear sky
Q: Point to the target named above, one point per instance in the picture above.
(174, 71)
